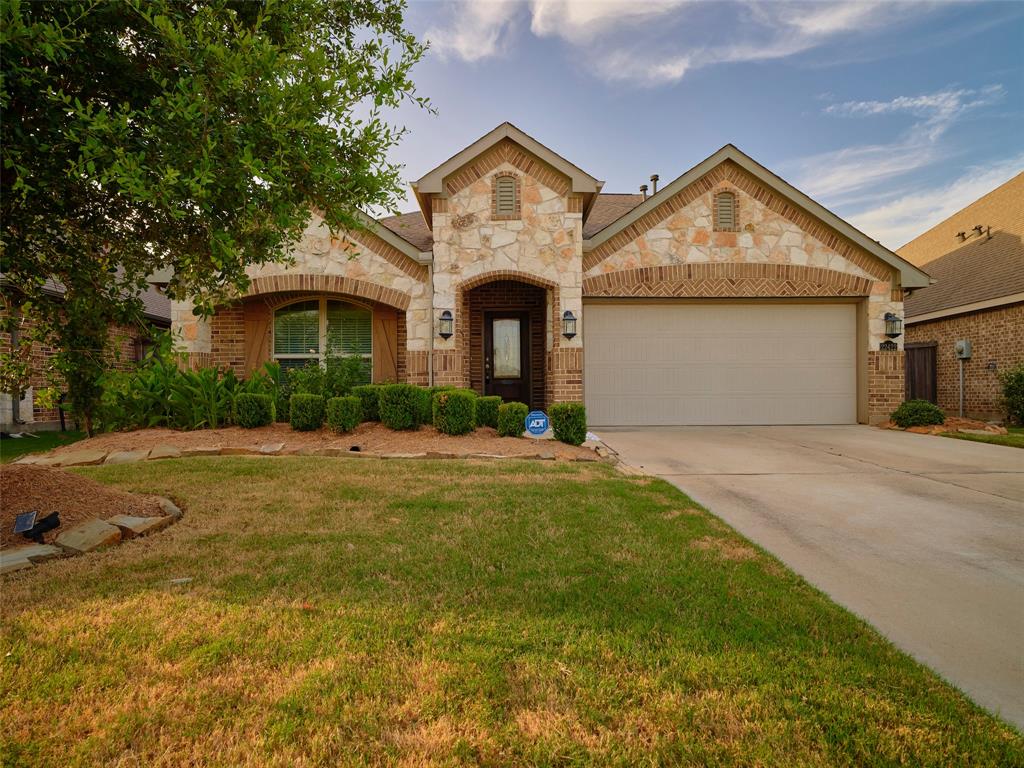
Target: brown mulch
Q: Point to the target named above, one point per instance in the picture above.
(951, 424)
(24, 488)
(370, 437)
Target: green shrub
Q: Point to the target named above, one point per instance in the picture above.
(307, 412)
(344, 413)
(252, 410)
(569, 422)
(369, 397)
(1012, 380)
(487, 411)
(427, 414)
(454, 411)
(917, 413)
(401, 405)
(512, 419)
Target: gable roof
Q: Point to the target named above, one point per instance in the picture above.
(910, 276)
(410, 227)
(433, 181)
(156, 307)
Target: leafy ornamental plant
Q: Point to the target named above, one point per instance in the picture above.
(1012, 380)
(141, 136)
(917, 413)
(487, 411)
(455, 411)
(344, 413)
(569, 422)
(512, 419)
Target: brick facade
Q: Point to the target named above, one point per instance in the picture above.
(126, 347)
(885, 383)
(996, 336)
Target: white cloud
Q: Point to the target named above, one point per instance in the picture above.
(479, 30)
(596, 29)
(904, 218)
(847, 170)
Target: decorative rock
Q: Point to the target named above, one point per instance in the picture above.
(139, 526)
(271, 449)
(81, 458)
(440, 455)
(14, 564)
(37, 553)
(239, 450)
(205, 451)
(165, 452)
(126, 457)
(403, 455)
(32, 458)
(487, 456)
(89, 535)
(169, 508)
(585, 458)
(546, 456)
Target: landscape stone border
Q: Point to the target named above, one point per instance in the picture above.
(88, 536)
(92, 457)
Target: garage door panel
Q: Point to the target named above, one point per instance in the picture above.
(649, 364)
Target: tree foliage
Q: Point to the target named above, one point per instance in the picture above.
(145, 134)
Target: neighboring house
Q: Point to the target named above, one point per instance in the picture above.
(727, 297)
(129, 344)
(976, 258)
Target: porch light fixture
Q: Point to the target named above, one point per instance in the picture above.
(445, 325)
(568, 324)
(893, 325)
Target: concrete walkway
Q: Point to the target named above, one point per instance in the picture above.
(922, 536)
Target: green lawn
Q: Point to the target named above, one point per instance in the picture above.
(1014, 438)
(366, 612)
(12, 448)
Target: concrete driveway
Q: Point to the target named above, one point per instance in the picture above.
(922, 536)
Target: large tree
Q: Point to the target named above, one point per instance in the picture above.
(139, 135)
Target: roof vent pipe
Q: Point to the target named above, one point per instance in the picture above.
(643, 190)
(654, 183)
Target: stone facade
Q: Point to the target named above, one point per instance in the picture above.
(535, 256)
(997, 340)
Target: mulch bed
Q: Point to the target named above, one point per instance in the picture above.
(371, 437)
(952, 424)
(24, 488)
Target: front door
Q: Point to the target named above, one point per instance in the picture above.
(506, 358)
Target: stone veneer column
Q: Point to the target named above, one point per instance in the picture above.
(885, 368)
(192, 334)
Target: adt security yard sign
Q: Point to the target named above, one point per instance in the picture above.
(537, 422)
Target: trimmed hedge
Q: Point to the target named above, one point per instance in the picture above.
(569, 422)
(307, 412)
(427, 416)
(254, 410)
(917, 413)
(512, 419)
(455, 411)
(487, 411)
(369, 398)
(344, 413)
(401, 405)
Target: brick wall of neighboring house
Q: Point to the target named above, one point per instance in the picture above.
(126, 348)
(996, 336)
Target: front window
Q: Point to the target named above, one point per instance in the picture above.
(320, 330)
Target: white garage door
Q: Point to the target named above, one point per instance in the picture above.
(650, 363)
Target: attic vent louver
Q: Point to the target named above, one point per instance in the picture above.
(505, 196)
(726, 215)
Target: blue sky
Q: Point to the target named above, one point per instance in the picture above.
(893, 115)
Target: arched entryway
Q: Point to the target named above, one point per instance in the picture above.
(506, 336)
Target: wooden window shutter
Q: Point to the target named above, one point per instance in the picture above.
(505, 196)
(726, 218)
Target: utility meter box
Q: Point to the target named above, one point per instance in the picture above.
(962, 349)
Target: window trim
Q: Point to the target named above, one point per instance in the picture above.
(735, 211)
(321, 354)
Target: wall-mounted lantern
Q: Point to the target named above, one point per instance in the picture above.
(445, 325)
(568, 324)
(893, 325)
